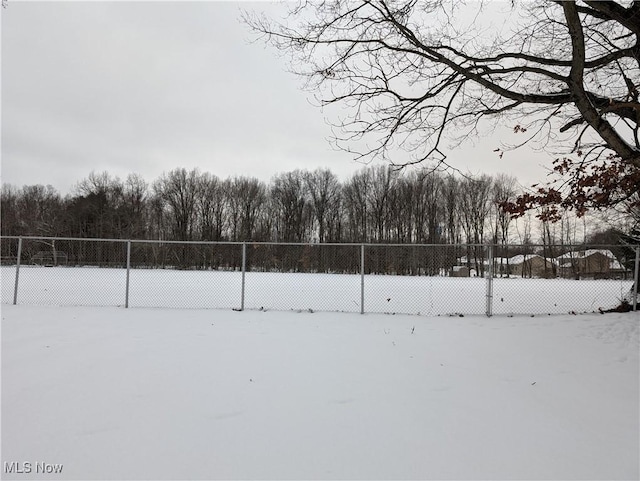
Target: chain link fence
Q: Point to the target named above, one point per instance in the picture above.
(64, 271)
(409, 279)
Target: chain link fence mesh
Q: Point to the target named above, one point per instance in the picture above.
(185, 275)
(80, 272)
(311, 277)
(421, 279)
(405, 279)
(8, 261)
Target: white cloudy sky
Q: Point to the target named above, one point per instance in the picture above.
(149, 86)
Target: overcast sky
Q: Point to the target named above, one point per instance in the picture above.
(146, 87)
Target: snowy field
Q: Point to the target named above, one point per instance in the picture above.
(317, 292)
(112, 393)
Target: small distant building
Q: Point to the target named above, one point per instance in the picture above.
(596, 263)
(531, 265)
(460, 271)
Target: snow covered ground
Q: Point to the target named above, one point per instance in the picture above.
(112, 393)
(318, 292)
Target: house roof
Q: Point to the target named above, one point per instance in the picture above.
(565, 259)
(521, 258)
(586, 253)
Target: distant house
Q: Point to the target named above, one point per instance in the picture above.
(460, 271)
(596, 263)
(531, 265)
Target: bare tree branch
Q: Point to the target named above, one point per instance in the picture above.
(413, 75)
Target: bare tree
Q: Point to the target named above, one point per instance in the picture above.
(356, 207)
(39, 208)
(402, 210)
(381, 183)
(211, 207)
(415, 75)
(504, 191)
(158, 218)
(474, 208)
(324, 191)
(179, 190)
(39, 212)
(9, 215)
(246, 197)
(94, 209)
(290, 207)
(549, 240)
(451, 191)
(134, 212)
(523, 230)
(367, 202)
(429, 206)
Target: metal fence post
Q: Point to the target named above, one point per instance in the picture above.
(126, 297)
(636, 278)
(15, 287)
(489, 299)
(362, 279)
(244, 270)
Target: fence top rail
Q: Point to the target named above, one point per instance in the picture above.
(575, 247)
(44, 238)
(265, 243)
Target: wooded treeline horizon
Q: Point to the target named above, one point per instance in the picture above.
(377, 204)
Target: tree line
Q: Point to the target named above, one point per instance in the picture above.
(375, 205)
